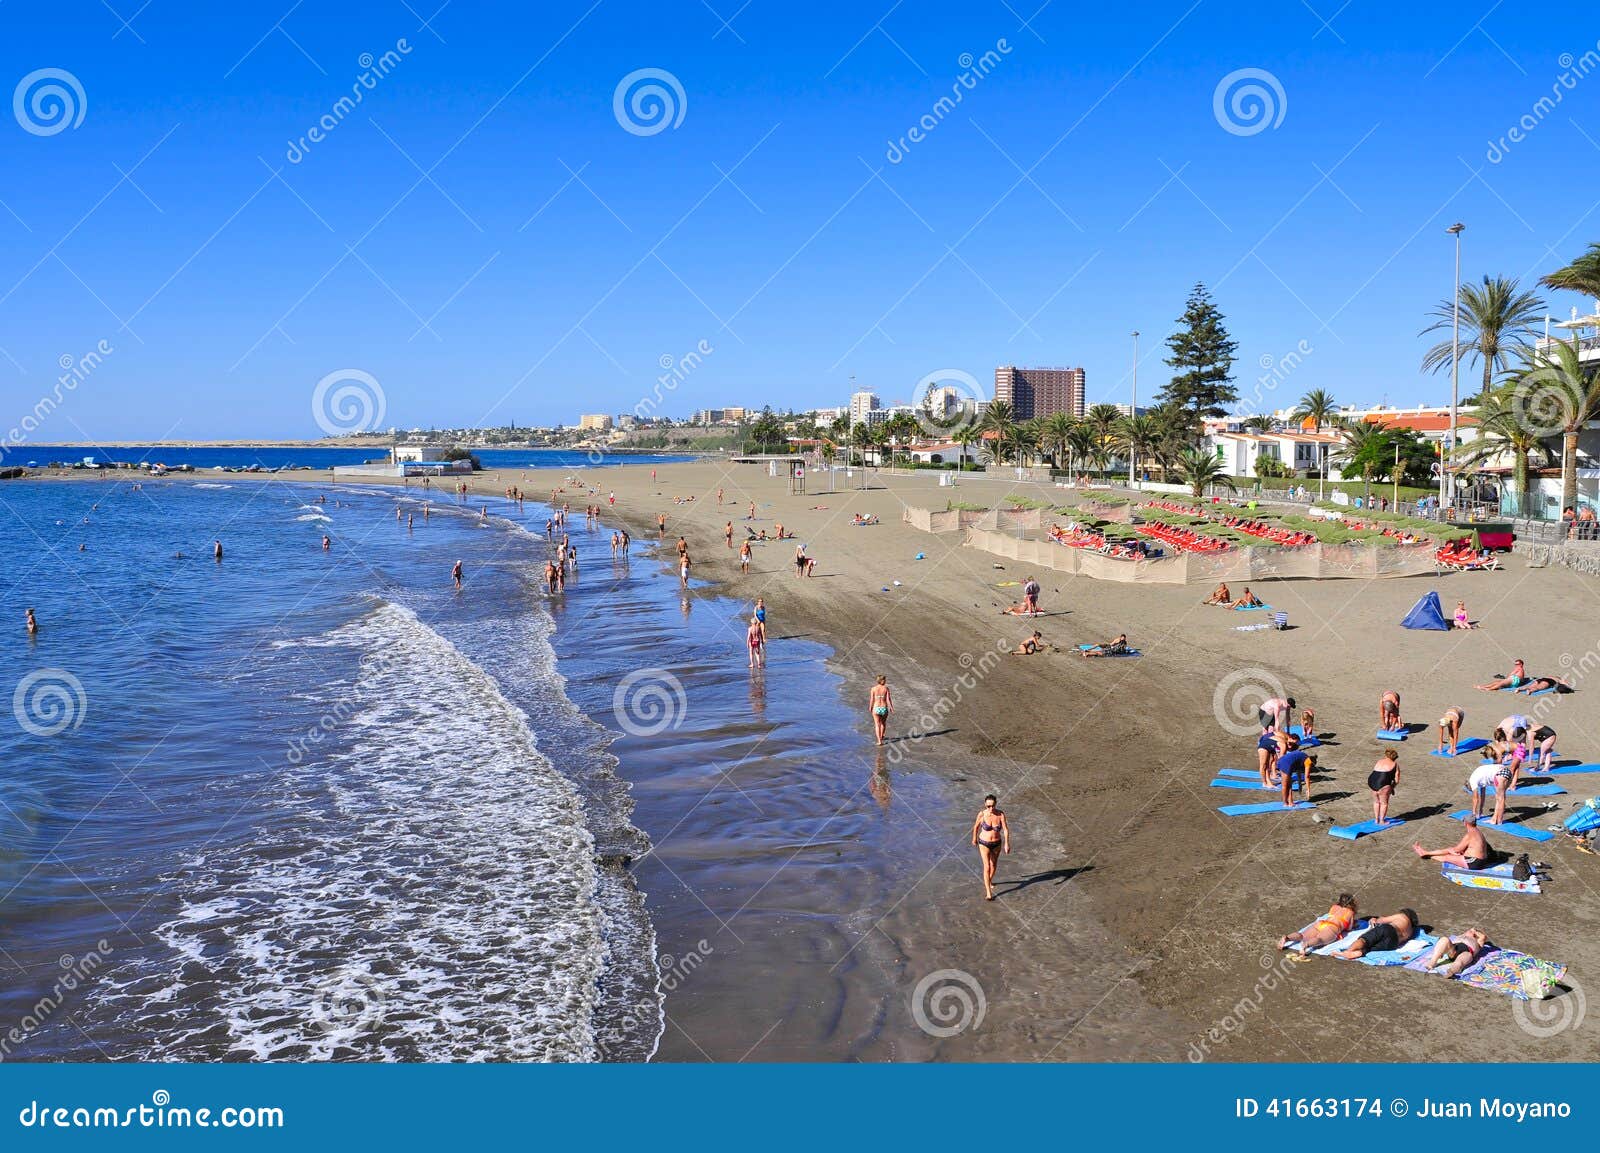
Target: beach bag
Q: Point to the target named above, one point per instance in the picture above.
(1585, 819)
(1520, 869)
(1538, 981)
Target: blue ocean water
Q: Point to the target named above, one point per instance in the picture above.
(307, 803)
(273, 457)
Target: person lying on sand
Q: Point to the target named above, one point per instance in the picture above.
(1116, 647)
(1219, 595)
(1248, 601)
(1518, 677)
(858, 519)
(1030, 645)
(1472, 851)
(1383, 935)
(1540, 684)
(1458, 954)
(1019, 609)
(1335, 923)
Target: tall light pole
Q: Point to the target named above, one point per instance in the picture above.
(1447, 479)
(1133, 407)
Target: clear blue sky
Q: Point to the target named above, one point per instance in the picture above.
(769, 222)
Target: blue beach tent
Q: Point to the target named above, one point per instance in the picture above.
(1426, 614)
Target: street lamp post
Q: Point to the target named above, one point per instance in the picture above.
(1133, 408)
(1447, 480)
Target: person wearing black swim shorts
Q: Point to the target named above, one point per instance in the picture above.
(1383, 935)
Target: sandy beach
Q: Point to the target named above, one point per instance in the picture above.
(1133, 921)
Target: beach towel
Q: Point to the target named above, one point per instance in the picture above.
(1250, 628)
(1364, 829)
(1393, 734)
(1499, 878)
(1405, 954)
(1514, 830)
(1550, 790)
(1426, 614)
(1252, 608)
(1269, 807)
(1542, 692)
(1500, 971)
(1470, 745)
(1126, 653)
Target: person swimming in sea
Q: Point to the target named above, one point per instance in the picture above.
(32, 623)
(881, 702)
(992, 835)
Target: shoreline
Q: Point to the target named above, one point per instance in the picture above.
(1170, 908)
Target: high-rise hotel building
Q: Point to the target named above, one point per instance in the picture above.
(1035, 392)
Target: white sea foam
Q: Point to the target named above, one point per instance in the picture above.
(208, 484)
(428, 893)
(315, 516)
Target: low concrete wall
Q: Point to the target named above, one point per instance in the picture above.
(1584, 560)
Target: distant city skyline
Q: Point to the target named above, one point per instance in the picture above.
(217, 250)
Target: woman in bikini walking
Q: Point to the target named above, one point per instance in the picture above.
(882, 704)
(992, 835)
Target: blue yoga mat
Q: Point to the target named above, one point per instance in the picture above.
(1365, 828)
(1240, 774)
(1556, 772)
(1237, 783)
(1551, 790)
(1514, 830)
(1393, 734)
(1470, 745)
(1269, 807)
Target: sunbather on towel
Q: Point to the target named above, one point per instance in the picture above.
(1539, 685)
(1384, 935)
(1329, 927)
(1112, 648)
(1518, 677)
(1248, 600)
(1219, 596)
(1472, 851)
(1458, 954)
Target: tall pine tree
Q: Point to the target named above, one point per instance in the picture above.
(1202, 360)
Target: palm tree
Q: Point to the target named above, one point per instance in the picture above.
(1257, 423)
(1501, 430)
(1581, 276)
(998, 418)
(1080, 444)
(1137, 434)
(1104, 420)
(1055, 433)
(1200, 470)
(1317, 406)
(1556, 392)
(861, 437)
(1496, 319)
(964, 436)
(1364, 445)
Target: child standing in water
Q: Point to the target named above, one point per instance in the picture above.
(882, 704)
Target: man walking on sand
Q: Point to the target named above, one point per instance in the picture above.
(727, 533)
